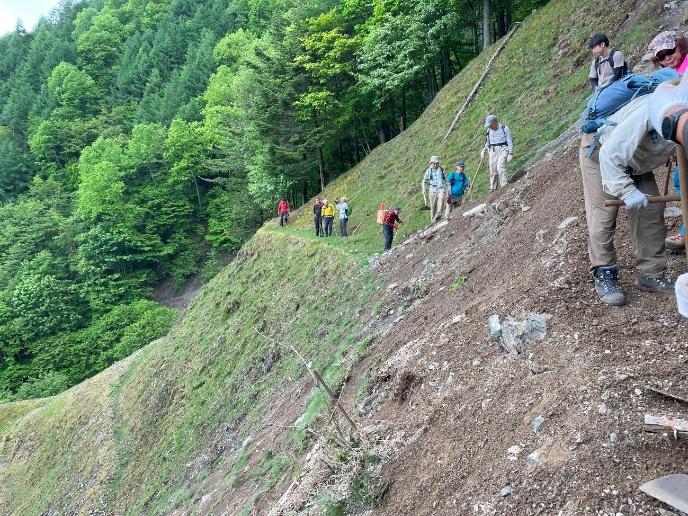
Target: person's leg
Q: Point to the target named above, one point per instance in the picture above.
(341, 227)
(433, 203)
(346, 232)
(448, 209)
(316, 221)
(647, 231)
(600, 218)
(501, 166)
(281, 220)
(389, 235)
(330, 223)
(441, 199)
(492, 161)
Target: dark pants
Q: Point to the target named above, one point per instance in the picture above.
(342, 227)
(388, 231)
(284, 218)
(317, 220)
(328, 225)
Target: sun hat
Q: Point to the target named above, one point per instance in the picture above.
(663, 41)
(490, 120)
(434, 159)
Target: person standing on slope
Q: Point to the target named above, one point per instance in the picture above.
(328, 217)
(620, 166)
(500, 147)
(343, 209)
(391, 222)
(608, 65)
(434, 181)
(458, 185)
(317, 217)
(283, 211)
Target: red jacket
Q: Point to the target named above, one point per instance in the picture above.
(390, 218)
(283, 207)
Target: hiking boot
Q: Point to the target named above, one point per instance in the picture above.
(658, 284)
(607, 285)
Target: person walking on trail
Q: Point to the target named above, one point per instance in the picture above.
(434, 182)
(458, 185)
(317, 216)
(618, 163)
(500, 148)
(608, 66)
(283, 211)
(391, 223)
(344, 212)
(327, 217)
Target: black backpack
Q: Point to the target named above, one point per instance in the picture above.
(626, 69)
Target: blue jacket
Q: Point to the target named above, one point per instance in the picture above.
(459, 182)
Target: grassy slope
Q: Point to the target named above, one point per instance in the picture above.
(172, 423)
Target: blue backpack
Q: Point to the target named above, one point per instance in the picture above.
(608, 100)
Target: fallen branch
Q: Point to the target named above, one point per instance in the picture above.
(356, 228)
(474, 91)
(678, 428)
(668, 394)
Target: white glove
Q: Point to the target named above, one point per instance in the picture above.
(482, 153)
(664, 98)
(509, 158)
(636, 199)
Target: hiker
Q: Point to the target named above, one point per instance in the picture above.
(434, 181)
(618, 163)
(327, 217)
(458, 185)
(283, 211)
(344, 212)
(500, 147)
(670, 49)
(317, 217)
(391, 223)
(609, 65)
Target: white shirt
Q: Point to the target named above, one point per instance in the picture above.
(632, 143)
(501, 135)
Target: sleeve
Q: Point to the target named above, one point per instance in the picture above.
(617, 152)
(619, 60)
(487, 139)
(593, 70)
(509, 142)
(593, 82)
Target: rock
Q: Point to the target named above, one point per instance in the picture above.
(533, 459)
(525, 208)
(506, 490)
(537, 423)
(672, 212)
(613, 437)
(514, 450)
(602, 408)
(533, 366)
(486, 403)
(516, 335)
(392, 286)
(566, 223)
(478, 211)
(493, 323)
(459, 319)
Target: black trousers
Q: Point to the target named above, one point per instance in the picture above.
(388, 231)
(342, 227)
(317, 220)
(328, 225)
(284, 218)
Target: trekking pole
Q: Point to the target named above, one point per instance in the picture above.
(683, 185)
(476, 175)
(658, 198)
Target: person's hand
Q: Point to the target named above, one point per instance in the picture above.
(665, 98)
(482, 153)
(509, 158)
(636, 199)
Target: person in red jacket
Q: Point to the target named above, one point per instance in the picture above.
(283, 211)
(391, 222)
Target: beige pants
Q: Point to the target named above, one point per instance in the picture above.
(451, 205)
(498, 157)
(437, 198)
(647, 224)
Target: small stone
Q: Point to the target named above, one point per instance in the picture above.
(486, 402)
(392, 286)
(613, 437)
(525, 208)
(638, 392)
(602, 408)
(533, 459)
(506, 490)
(476, 362)
(537, 423)
(459, 319)
(514, 450)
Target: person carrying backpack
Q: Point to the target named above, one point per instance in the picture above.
(608, 65)
(283, 211)
(344, 212)
(317, 217)
(620, 165)
(435, 182)
(390, 223)
(500, 147)
(458, 184)
(328, 217)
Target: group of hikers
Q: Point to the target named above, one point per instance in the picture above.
(324, 214)
(625, 138)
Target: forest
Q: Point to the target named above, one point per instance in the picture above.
(144, 141)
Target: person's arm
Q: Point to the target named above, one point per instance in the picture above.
(509, 142)
(668, 99)
(593, 82)
(592, 76)
(618, 65)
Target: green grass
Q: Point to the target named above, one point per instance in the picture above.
(157, 432)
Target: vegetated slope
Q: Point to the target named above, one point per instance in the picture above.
(216, 416)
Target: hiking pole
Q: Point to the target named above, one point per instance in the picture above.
(658, 198)
(482, 156)
(683, 185)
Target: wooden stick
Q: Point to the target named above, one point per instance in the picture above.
(354, 231)
(678, 428)
(474, 91)
(683, 184)
(668, 176)
(658, 198)
(471, 186)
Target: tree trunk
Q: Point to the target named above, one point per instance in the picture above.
(321, 167)
(381, 133)
(402, 112)
(486, 23)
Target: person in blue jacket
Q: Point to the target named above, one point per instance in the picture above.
(458, 185)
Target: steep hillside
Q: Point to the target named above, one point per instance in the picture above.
(222, 415)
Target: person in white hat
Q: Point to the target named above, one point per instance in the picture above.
(434, 181)
(500, 148)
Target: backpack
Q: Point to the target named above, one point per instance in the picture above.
(487, 135)
(626, 69)
(428, 175)
(348, 211)
(609, 99)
